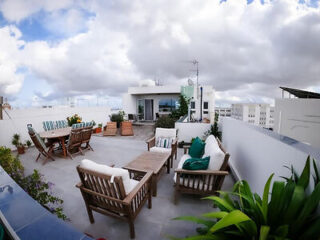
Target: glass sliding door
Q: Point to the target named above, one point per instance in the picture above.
(141, 109)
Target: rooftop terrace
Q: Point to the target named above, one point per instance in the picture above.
(152, 223)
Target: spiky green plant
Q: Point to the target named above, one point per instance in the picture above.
(289, 212)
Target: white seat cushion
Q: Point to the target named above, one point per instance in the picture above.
(166, 133)
(116, 172)
(213, 150)
(160, 150)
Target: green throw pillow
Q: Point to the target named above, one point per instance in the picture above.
(197, 148)
(196, 163)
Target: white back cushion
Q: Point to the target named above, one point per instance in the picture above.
(104, 169)
(180, 164)
(166, 132)
(213, 150)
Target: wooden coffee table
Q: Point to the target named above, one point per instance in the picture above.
(150, 161)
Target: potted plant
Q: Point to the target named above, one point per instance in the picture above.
(98, 129)
(117, 117)
(74, 119)
(28, 143)
(16, 142)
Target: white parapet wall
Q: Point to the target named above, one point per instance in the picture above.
(256, 153)
(189, 130)
(18, 119)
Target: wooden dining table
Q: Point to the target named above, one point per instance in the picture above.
(59, 134)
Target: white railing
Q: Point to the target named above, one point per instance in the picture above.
(256, 153)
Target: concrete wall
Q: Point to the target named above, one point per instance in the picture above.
(21, 117)
(256, 153)
(187, 131)
(299, 119)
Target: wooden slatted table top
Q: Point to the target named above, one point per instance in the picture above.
(56, 133)
(149, 161)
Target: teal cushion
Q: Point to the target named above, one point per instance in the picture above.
(196, 163)
(197, 148)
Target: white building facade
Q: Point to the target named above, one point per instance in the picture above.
(298, 118)
(150, 102)
(253, 113)
(223, 111)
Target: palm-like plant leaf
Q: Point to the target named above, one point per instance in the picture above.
(305, 175)
(232, 218)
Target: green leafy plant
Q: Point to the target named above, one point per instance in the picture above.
(117, 117)
(16, 140)
(288, 213)
(214, 129)
(165, 122)
(93, 123)
(182, 109)
(28, 143)
(296, 178)
(74, 119)
(34, 184)
(100, 125)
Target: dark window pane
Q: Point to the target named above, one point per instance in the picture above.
(205, 105)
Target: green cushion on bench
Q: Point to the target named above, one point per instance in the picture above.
(197, 148)
(196, 163)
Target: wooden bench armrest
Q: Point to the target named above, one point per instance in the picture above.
(151, 142)
(79, 185)
(186, 149)
(134, 192)
(202, 172)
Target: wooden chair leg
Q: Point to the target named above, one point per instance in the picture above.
(131, 226)
(176, 154)
(38, 157)
(90, 215)
(150, 195)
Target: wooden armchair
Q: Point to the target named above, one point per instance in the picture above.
(43, 148)
(202, 182)
(86, 137)
(74, 142)
(110, 129)
(167, 133)
(107, 196)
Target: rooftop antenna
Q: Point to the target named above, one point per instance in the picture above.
(196, 63)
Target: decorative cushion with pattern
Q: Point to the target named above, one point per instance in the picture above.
(164, 142)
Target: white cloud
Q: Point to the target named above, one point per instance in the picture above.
(245, 51)
(17, 10)
(10, 80)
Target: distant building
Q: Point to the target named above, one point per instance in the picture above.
(223, 111)
(6, 105)
(297, 115)
(148, 102)
(254, 113)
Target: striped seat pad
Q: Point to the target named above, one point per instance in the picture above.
(164, 142)
(48, 125)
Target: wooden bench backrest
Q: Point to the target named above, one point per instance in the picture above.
(100, 185)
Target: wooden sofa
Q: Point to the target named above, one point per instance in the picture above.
(201, 182)
(106, 194)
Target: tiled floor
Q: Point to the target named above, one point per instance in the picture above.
(155, 223)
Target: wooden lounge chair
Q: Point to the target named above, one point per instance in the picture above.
(85, 137)
(74, 142)
(44, 149)
(164, 133)
(106, 194)
(201, 182)
(110, 129)
(126, 129)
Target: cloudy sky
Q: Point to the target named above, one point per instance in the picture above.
(92, 50)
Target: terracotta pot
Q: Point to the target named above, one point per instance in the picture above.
(97, 130)
(20, 149)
